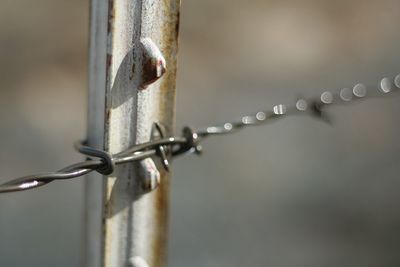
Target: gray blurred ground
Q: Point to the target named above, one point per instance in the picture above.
(295, 193)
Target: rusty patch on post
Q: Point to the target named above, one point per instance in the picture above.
(177, 25)
(153, 69)
(161, 219)
(169, 47)
(111, 15)
(153, 63)
(108, 61)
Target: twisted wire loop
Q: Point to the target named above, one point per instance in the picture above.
(100, 161)
(167, 147)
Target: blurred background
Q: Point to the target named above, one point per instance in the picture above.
(294, 193)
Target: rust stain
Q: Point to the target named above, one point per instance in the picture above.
(153, 69)
(132, 75)
(169, 48)
(170, 35)
(108, 61)
(177, 25)
(161, 220)
(111, 15)
(153, 63)
(108, 114)
(169, 41)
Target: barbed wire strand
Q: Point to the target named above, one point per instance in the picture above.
(165, 147)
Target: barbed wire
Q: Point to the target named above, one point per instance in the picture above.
(167, 147)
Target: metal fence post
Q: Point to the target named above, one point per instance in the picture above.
(132, 69)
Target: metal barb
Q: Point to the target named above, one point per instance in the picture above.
(316, 107)
(167, 147)
(158, 131)
(105, 163)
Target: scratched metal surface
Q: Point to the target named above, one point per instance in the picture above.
(295, 193)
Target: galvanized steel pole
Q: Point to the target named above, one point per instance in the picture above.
(132, 69)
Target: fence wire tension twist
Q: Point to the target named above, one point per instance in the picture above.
(167, 147)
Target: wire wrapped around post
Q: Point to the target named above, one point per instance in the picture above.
(167, 147)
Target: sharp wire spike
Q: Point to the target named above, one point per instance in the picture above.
(161, 150)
